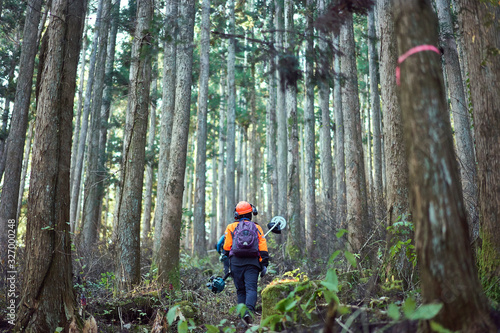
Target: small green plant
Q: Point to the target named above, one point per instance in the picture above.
(410, 311)
(107, 280)
(401, 230)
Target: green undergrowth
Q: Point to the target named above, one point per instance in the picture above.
(345, 289)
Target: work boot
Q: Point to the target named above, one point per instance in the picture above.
(247, 318)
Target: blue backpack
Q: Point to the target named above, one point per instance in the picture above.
(245, 240)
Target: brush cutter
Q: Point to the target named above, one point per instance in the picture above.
(277, 224)
(216, 283)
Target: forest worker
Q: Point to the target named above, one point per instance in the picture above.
(246, 250)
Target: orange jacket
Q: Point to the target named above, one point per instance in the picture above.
(228, 243)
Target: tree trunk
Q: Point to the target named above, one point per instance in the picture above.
(395, 152)
(106, 104)
(150, 155)
(167, 114)
(446, 264)
(309, 141)
(168, 256)
(296, 241)
(76, 131)
(375, 111)
(357, 207)
(134, 148)
(465, 145)
(281, 114)
(19, 124)
(80, 152)
(272, 175)
(325, 136)
(4, 131)
(231, 114)
(47, 296)
(221, 207)
(201, 143)
(92, 205)
(26, 161)
(341, 213)
(255, 138)
(214, 235)
(480, 41)
(272, 189)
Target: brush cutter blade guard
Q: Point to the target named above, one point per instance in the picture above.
(277, 224)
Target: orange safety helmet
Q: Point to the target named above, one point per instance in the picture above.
(244, 207)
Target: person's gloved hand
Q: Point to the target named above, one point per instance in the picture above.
(263, 272)
(223, 257)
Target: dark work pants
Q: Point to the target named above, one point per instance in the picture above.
(245, 280)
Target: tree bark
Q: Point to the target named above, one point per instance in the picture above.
(341, 212)
(231, 114)
(272, 175)
(325, 136)
(464, 143)
(106, 105)
(296, 241)
(221, 207)
(214, 235)
(309, 140)
(77, 129)
(26, 159)
(168, 263)
(167, 114)
(378, 193)
(395, 153)
(281, 113)
(150, 155)
(92, 205)
(479, 23)
(80, 152)
(200, 249)
(446, 264)
(47, 298)
(19, 124)
(134, 147)
(357, 206)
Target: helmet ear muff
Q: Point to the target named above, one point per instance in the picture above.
(254, 210)
(236, 215)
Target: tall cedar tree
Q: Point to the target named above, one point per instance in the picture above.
(201, 137)
(19, 124)
(309, 140)
(128, 216)
(480, 23)
(47, 297)
(357, 205)
(463, 135)
(395, 153)
(91, 204)
(168, 255)
(231, 114)
(378, 192)
(167, 113)
(281, 115)
(447, 269)
(296, 239)
(77, 170)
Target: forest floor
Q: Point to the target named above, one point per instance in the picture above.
(368, 302)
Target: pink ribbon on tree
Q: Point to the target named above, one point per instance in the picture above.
(411, 51)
